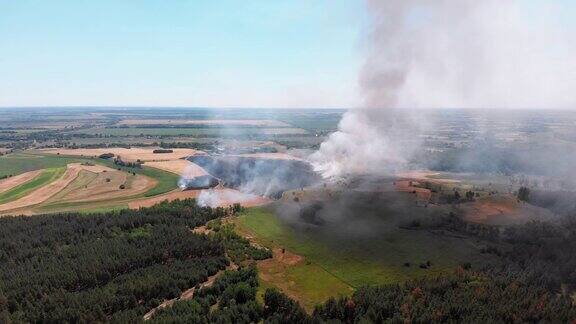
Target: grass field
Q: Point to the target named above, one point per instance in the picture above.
(167, 181)
(83, 208)
(14, 164)
(307, 281)
(47, 176)
(355, 263)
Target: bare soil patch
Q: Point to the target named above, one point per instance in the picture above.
(9, 183)
(202, 230)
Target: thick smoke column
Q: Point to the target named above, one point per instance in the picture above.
(448, 54)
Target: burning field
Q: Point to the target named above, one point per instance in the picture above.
(265, 177)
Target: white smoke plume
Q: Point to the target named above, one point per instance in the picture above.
(449, 54)
(223, 197)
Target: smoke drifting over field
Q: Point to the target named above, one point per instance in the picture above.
(443, 54)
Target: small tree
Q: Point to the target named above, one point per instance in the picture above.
(523, 194)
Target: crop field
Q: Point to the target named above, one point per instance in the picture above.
(45, 177)
(10, 183)
(68, 183)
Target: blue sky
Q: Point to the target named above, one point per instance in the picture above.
(209, 53)
(266, 53)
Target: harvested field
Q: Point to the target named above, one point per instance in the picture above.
(44, 193)
(129, 155)
(252, 201)
(106, 186)
(84, 178)
(96, 168)
(215, 122)
(45, 177)
(83, 183)
(9, 183)
(179, 167)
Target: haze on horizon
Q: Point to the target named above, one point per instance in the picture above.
(297, 54)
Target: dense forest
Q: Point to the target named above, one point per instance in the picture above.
(117, 266)
(104, 267)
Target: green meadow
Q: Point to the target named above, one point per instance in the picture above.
(353, 264)
(17, 163)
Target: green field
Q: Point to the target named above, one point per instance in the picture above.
(47, 176)
(308, 281)
(355, 263)
(83, 208)
(17, 163)
(167, 181)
